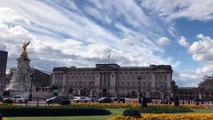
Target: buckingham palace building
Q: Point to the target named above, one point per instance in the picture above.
(154, 81)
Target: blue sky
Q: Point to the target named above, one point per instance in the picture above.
(135, 32)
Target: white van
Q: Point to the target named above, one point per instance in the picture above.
(19, 99)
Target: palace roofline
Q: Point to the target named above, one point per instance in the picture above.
(114, 66)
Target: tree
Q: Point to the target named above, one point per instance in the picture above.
(207, 82)
(205, 85)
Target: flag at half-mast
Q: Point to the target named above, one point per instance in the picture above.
(109, 54)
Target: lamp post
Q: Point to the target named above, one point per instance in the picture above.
(31, 84)
(139, 88)
(202, 87)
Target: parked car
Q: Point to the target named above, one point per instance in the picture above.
(197, 99)
(94, 99)
(105, 100)
(119, 99)
(7, 100)
(81, 99)
(19, 99)
(57, 99)
(164, 101)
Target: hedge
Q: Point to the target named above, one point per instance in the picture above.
(164, 109)
(51, 111)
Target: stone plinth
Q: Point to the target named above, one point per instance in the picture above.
(21, 80)
(35, 94)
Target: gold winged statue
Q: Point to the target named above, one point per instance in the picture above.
(24, 50)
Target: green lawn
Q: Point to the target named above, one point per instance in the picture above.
(101, 117)
(210, 110)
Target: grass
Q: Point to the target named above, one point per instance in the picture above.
(101, 117)
(210, 110)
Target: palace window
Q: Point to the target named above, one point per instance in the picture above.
(150, 77)
(148, 85)
(133, 84)
(144, 84)
(160, 77)
(165, 77)
(156, 77)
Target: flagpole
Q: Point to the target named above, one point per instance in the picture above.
(109, 57)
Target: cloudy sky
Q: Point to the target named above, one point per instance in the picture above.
(135, 33)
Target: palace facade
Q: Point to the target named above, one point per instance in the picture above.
(154, 81)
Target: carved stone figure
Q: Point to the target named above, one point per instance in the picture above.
(24, 51)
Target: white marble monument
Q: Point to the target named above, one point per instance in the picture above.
(21, 80)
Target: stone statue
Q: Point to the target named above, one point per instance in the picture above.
(24, 52)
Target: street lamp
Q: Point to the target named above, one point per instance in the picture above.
(31, 84)
(139, 88)
(202, 87)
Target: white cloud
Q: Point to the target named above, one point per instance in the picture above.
(202, 52)
(183, 42)
(174, 9)
(206, 69)
(66, 36)
(10, 16)
(163, 41)
(68, 51)
(187, 78)
(98, 14)
(124, 9)
(128, 41)
(3, 47)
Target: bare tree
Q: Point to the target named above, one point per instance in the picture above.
(207, 82)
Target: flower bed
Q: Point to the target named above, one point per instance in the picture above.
(192, 106)
(107, 105)
(164, 109)
(3, 104)
(130, 105)
(167, 117)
